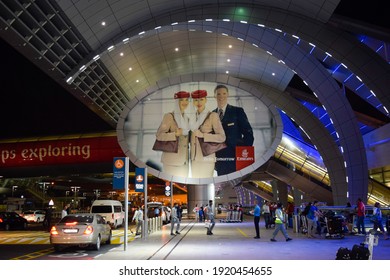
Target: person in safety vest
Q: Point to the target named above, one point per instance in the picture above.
(279, 223)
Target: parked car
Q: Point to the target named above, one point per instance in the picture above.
(12, 220)
(165, 211)
(34, 216)
(83, 230)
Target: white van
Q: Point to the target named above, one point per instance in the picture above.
(111, 210)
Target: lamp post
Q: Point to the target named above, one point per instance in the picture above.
(13, 190)
(97, 193)
(75, 190)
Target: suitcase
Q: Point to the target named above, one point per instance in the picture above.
(343, 254)
(360, 252)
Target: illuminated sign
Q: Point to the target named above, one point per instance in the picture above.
(118, 178)
(139, 179)
(250, 128)
(62, 151)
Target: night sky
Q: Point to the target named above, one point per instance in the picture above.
(33, 104)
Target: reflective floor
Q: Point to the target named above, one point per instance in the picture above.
(234, 241)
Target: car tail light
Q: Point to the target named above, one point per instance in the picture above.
(88, 230)
(53, 231)
(1, 220)
(71, 224)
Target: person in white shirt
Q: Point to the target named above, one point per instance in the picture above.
(138, 218)
(64, 211)
(267, 214)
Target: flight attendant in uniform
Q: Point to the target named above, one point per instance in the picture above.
(176, 125)
(206, 125)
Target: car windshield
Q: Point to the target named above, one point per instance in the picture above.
(77, 219)
(101, 209)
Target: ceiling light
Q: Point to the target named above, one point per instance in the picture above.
(121, 54)
(228, 60)
(103, 23)
(273, 74)
(137, 81)
(230, 46)
(227, 72)
(176, 49)
(130, 68)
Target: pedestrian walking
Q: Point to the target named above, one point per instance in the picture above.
(209, 212)
(175, 219)
(279, 223)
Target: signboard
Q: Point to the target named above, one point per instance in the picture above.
(250, 126)
(139, 179)
(168, 189)
(119, 173)
(57, 152)
(245, 156)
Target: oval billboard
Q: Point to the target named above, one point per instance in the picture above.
(199, 132)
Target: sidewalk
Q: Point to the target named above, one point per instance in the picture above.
(234, 241)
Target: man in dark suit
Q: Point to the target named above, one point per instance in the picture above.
(237, 128)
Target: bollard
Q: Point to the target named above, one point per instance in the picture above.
(371, 241)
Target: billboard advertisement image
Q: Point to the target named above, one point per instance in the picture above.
(198, 132)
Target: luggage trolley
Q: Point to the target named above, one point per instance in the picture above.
(334, 226)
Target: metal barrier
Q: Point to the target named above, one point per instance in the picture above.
(154, 224)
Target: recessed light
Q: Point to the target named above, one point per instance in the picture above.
(230, 46)
(273, 74)
(228, 60)
(137, 81)
(121, 54)
(103, 23)
(130, 68)
(227, 72)
(176, 49)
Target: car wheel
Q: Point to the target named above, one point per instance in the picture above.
(96, 246)
(108, 241)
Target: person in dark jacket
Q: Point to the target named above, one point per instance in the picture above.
(237, 129)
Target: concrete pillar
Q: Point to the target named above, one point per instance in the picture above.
(280, 191)
(199, 194)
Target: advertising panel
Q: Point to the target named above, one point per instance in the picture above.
(180, 133)
(59, 151)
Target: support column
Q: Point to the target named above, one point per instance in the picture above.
(199, 194)
(280, 191)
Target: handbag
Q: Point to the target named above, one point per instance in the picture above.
(166, 146)
(209, 148)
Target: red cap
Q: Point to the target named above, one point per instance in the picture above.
(182, 94)
(198, 94)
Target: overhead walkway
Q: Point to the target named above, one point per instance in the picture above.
(299, 165)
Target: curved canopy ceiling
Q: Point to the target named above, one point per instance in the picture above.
(106, 53)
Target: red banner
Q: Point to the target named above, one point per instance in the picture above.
(245, 156)
(62, 151)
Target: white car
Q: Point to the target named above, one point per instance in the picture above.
(34, 216)
(82, 230)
